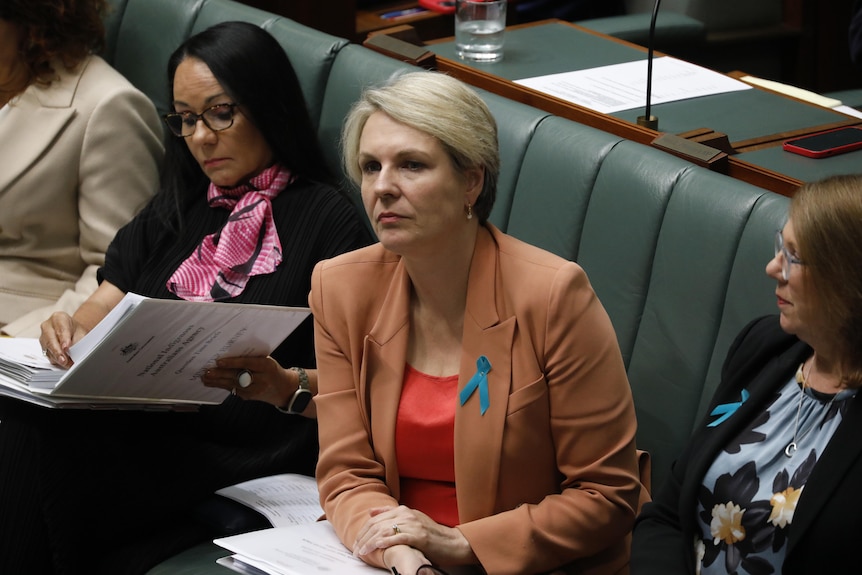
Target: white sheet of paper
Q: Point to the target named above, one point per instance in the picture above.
(25, 351)
(620, 87)
(286, 499)
(85, 346)
(296, 550)
(849, 111)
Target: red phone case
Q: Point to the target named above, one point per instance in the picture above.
(828, 143)
(442, 6)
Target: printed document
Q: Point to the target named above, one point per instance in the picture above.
(295, 550)
(147, 352)
(621, 87)
(286, 499)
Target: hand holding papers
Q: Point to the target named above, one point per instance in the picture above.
(621, 87)
(147, 352)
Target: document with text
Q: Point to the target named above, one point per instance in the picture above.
(285, 499)
(621, 87)
(146, 352)
(294, 550)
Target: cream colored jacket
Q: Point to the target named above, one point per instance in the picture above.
(78, 159)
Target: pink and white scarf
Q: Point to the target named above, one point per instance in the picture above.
(247, 244)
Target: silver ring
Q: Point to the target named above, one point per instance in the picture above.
(244, 378)
(45, 352)
(395, 528)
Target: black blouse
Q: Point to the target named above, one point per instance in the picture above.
(314, 222)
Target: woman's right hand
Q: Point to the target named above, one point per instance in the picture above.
(59, 333)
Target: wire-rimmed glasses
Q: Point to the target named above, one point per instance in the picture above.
(787, 258)
(217, 118)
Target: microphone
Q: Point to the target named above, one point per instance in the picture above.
(648, 120)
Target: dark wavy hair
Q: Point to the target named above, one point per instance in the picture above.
(253, 69)
(64, 30)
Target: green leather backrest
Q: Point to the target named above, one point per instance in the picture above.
(112, 21)
(724, 15)
(142, 34)
(311, 52)
(516, 125)
(149, 32)
(675, 253)
(355, 67)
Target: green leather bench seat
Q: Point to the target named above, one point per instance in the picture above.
(675, 252)
(670, 28)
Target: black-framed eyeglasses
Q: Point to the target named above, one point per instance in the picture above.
(787, 259)
(216, 118)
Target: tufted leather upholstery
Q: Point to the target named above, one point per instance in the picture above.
(675, 252)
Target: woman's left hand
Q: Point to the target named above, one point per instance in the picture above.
(267, 380)
(389, 526)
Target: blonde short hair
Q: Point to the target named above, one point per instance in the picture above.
(442, 107)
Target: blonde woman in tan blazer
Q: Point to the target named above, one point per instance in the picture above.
(533, 468)
(80, 149)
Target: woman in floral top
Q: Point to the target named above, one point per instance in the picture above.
(772, 480)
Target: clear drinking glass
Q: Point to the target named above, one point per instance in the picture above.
(479, 29)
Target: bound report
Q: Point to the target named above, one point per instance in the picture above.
(146, 353)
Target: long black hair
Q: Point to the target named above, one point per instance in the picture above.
(255, 72)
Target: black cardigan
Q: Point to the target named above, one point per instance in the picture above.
(827, 523)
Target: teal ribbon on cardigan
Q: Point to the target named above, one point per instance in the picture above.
(725, 410)
(480, 381)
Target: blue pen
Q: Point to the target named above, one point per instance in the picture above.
(402, 13)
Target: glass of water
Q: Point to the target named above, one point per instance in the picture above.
(479, 28)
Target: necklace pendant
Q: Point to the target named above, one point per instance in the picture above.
(790, 449)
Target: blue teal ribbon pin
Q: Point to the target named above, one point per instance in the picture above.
(725, 410)
(480, 380)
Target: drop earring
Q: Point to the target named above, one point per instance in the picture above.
(469, 211)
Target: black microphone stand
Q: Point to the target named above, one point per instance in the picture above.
(648, 120)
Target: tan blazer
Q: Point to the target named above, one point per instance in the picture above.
(548, 475)
(77, 160)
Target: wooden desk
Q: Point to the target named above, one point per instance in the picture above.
(754, 120)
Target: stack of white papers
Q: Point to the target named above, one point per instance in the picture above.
(299, 543)
(294, 550)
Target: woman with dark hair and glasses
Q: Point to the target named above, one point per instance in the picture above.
(770, 482)
(243, 215)
(64, 189)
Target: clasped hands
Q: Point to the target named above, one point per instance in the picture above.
(412, 542)
(269, 382)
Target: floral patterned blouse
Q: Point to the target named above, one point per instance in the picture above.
(749, 494)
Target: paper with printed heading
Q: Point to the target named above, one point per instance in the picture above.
(147, 352)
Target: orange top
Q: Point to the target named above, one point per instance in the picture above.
(425, 444)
